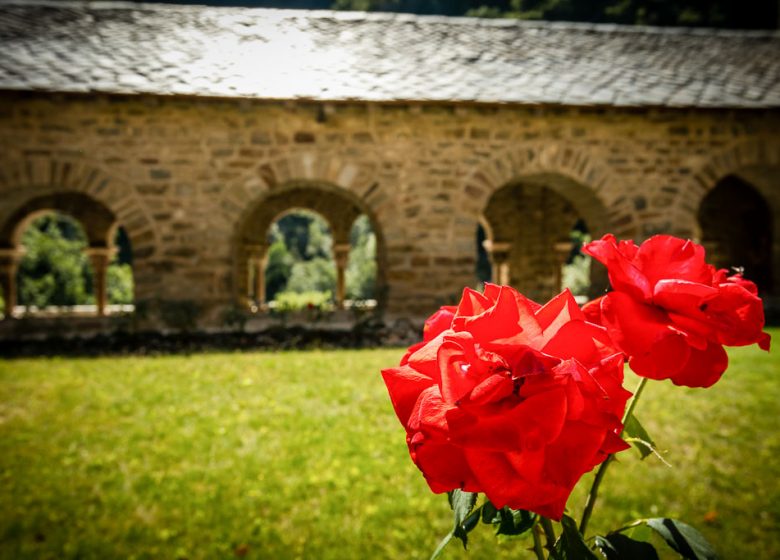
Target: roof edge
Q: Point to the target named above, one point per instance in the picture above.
(392, 16)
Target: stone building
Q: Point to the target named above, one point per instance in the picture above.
(193, 128)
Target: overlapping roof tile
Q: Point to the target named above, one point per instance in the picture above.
(320, 55)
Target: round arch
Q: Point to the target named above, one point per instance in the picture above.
(98, 221)
(562, 178)
(743, 172)
(34, 185)
(339, 207)
(566, 170)
(24, 179)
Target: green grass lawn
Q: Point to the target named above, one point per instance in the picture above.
(299, 455)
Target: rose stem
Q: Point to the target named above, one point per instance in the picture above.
(537, 542)
(549, 533)
(594, 489)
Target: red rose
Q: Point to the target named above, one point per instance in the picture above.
(670, 312)
(511, 399)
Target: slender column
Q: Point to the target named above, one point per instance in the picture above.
(498, 253)
(9, 266)
(100, 257)
(257, 259)
(341, 255)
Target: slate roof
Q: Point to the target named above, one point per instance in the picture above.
(322, 55)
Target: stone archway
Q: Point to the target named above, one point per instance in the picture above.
(34, 184)
(736, 228)
(531, 224)
(99, 225)
(531, 199)
(735, 192)
(339, 208)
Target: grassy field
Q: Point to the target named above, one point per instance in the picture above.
(299, 455)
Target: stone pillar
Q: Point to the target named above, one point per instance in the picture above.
(257, 259)
(9, 266)
(100, 257)
(498, 253)
(341, 255)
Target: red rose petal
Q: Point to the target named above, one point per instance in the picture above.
(665, 256)
(624, 275)
(642, 332)
(405, 385)
(703, 367)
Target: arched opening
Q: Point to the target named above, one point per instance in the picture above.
(300, 271)
(309, 237)
(54, 272)
(65, 253)
(537, 226)
(737, 230)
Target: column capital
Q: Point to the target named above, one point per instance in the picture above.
(255, 250)
(498, 251)
(11, 255)
(100, 253)
(341, 253)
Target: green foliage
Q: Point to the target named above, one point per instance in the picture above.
(465, 519)
(361, 269)
(575, 274)
(617, 546)
(755, 14)
(120, 283)
(298, 301)
(300, 257)
(315, 275)
(639, 437)
(683, 538)
(54, 269)
(510, 522)
(279, 267)
(571, 545)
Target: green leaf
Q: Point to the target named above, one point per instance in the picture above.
(511, 522)
(683, 538)
(617, 546)
(461, 503)
(571, 545)
(466, 518)
(490, 514)
(639, 436)
(515, 522)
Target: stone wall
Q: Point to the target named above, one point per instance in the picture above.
(183, 176)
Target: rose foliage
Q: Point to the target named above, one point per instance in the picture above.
(510, 398)
(670, 312)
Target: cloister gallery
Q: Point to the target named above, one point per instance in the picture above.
(194, 128)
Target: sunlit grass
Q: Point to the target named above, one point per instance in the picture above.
(299, 455)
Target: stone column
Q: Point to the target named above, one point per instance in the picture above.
(9, 266)
(257, 259)
(100, 257)
(341, 255)
(498, 253)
